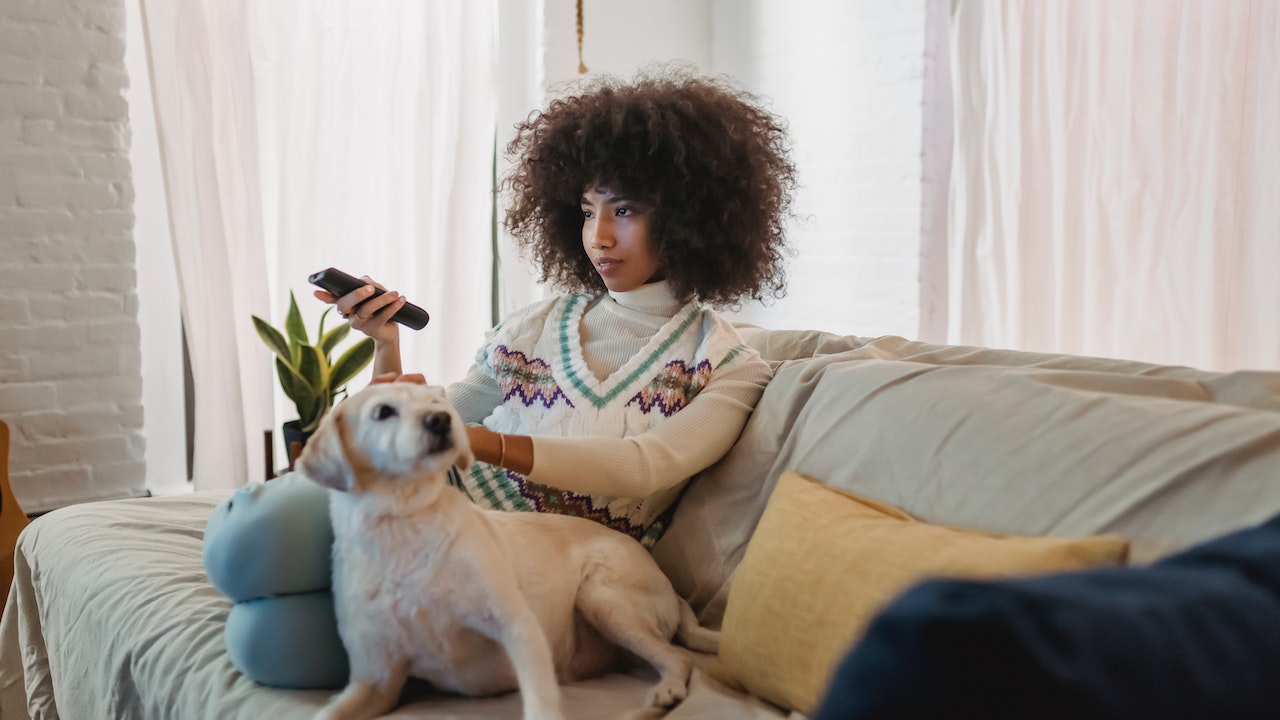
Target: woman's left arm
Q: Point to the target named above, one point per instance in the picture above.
(673, 451)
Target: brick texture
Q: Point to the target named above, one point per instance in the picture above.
(70, 385)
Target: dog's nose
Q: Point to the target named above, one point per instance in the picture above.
(436, 422)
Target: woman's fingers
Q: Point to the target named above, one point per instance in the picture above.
(367, 314)
(383, 315)
(351, 304)
(417, 378)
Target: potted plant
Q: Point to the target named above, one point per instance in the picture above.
(308, 375)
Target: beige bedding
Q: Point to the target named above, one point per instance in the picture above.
(111, 616)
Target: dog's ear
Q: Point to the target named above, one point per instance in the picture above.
(324, 458)
(462, 441)
(465, 459)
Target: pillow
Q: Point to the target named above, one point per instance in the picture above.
(270, 539)
(1196, 635)
(777, 346)
(821, 563)
(1023, 444)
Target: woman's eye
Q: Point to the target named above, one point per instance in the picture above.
(587, 215)
(622, 212)
(382, 412)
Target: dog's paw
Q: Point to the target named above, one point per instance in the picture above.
(667, 694)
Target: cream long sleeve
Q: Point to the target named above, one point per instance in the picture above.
(613, 329)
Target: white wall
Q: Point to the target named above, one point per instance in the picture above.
(622, 35)
(849, 78)
(69, 338)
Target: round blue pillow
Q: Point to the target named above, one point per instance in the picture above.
(288, 642)
(270, 539)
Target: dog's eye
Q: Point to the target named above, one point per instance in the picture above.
(382, 412)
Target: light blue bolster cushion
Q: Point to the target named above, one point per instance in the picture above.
(269, 548)
(270, 539)
(288, 642)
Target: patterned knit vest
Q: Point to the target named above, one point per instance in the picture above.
(536, 358)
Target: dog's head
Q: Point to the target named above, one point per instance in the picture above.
(385, 433)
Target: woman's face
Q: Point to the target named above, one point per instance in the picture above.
(615, 235)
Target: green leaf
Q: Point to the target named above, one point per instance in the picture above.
(320, 331)
(293, 324)
(309, 417)
(271, 337)
(313, 365)
(350, 364)
(334, 336)
(295, 386)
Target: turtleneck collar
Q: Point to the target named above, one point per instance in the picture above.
(653, 298)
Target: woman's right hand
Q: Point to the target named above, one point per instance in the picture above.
(369, 315)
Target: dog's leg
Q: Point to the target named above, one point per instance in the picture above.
(691, 633)
(362, 699)
(526, 644)
(628, 621)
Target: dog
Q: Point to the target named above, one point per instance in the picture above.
(475, 601)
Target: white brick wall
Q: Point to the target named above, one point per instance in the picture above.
(70, 386)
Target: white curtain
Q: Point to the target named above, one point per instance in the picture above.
(1115, 179)
(301, 135)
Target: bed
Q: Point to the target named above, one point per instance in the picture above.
(111, 616)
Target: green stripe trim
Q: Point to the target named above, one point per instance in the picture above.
(600, 401)
(482, 484)
(735, 352)
(498, 487)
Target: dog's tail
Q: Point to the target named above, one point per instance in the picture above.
(692, 635)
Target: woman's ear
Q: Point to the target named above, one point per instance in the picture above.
(324, 458)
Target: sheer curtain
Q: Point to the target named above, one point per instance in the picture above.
(1115, 179)
(301, 135)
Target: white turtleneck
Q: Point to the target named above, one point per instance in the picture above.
(614, 328)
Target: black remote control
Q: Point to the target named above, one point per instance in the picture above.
(338, 283)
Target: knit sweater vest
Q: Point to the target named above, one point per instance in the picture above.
(536, 358)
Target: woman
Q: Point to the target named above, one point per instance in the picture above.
(649, 201)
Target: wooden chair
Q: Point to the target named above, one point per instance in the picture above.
(12, 518)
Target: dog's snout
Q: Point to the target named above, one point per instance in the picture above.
(436, 423)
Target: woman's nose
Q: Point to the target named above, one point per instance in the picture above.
(602, 233)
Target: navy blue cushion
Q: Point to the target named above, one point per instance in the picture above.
(1196, 635)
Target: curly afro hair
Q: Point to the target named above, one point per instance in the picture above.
(713, 163)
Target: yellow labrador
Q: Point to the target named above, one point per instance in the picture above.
(475, 601)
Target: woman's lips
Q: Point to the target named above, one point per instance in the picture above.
(607, 266)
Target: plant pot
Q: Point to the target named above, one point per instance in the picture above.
(293, 434)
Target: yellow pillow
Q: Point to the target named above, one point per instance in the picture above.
(822, 563)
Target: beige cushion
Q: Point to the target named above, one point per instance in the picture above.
(776, 346)
(822, 563)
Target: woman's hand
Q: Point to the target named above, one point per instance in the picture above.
(416, 378)
(370, 315)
